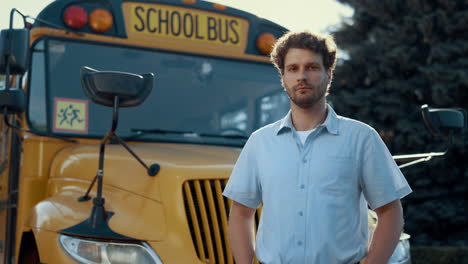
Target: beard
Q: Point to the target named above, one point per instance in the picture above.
(307, 98)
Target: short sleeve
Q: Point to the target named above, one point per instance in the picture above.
(243, 185)
(381, 180)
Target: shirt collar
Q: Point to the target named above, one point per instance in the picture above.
(331, 122)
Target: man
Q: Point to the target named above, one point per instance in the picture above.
(315, 173)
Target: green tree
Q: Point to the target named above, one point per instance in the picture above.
(402, 54)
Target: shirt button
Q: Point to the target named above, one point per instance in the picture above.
(302, 186)
(299, 243)
(301, 213)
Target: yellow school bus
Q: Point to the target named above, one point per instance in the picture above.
(213, 86)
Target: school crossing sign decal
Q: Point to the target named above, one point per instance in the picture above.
(70, 115)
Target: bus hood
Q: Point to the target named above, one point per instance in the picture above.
(145, 207)
(178, 162)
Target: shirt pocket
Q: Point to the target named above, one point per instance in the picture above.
(337, 176)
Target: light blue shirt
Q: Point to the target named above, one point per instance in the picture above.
(315, 195)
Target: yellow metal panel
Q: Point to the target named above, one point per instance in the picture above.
(173, 46)
(50, 251)
(131, 218)
(204, 38)
(122, 171)
(188, 26)
(57, 172)
(37, 155)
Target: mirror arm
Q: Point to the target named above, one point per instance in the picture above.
(111, 134)
(135, 155)
(6, 115)
(80, 34)
(7, 122)
(25, 22)
(416, 161)
(425, 156)
(100, 171)
(86, 196)
(11, 17)
(151, 170)
(115, 116)
(8, 47)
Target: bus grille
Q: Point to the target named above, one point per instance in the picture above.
(207, 214)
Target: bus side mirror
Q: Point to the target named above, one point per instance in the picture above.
(13, 60)
(444, 121)
(14, 48)
(103, 86)
(13, 100)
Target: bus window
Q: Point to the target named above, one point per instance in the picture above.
(235, 120)
(272, 107)
(37, 94)
(195, 91)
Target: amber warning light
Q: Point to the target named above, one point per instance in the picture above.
(99, 20)
(265, 42)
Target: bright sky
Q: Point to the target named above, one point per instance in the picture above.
(314, 15)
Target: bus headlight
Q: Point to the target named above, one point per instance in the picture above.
(95, 252)
(401, 255)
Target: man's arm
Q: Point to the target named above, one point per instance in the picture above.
(387, 233)
(241, 233)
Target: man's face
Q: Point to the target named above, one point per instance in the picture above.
(305, 78)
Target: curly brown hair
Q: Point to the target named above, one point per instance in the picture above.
(321, 44)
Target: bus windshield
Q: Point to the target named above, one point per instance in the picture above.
(196, 94)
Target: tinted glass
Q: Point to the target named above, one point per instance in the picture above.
(37, 94)
(191, 93)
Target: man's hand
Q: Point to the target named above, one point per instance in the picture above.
(387, 233)
(241, 233)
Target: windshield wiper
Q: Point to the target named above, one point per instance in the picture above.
(192, 134)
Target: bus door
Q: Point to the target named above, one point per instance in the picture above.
(9, 165)
(3, 186)
(13, 63)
